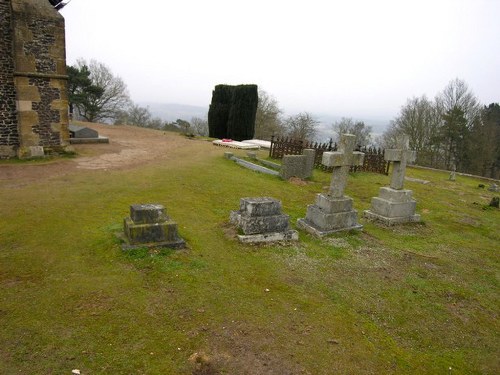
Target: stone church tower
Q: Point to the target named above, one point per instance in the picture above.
(33, 90)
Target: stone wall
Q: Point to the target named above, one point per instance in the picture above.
(9, 137)
(38, 55)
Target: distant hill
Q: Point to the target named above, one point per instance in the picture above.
(173, 111)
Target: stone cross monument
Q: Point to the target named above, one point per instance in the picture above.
(341, 161)
(395, 205)
(399, 158)
(333, 211)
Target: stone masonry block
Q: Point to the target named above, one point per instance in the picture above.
(260, 206)
(148, 213)
(28, 118)
(29, 93)
(24, 105)
(327, 221)
(264, 224)
(332, 205)
(293, 166)
(387, 208)
(150, 233)
(310, 155)
(394, 195)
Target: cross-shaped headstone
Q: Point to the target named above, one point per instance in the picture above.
(400, 157)
(341, 161)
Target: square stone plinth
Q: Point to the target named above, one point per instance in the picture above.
(334, 205)
(388, 208)
(163, 234)
(393, 207)
(394, 195)
(321, 223)
(147, 213)
(260, 224)
(260, 206)
(372, 216)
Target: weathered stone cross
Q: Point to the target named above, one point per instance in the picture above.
(400, 157)
(341, 161)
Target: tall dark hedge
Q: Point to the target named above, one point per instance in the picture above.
(232, 112)
(218, 112)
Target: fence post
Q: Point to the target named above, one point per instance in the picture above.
(271, 148)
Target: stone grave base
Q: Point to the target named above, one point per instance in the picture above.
(290, 235)
(126, 246)
(372, 216)
(393, 207)
(310, 228)
(149, 226)
(329, 215)
(260, 219)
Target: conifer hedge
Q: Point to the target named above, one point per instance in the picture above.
(232, 112)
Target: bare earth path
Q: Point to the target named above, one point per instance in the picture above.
(129, 147)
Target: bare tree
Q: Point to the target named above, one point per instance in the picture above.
(200, 126)
(155, 123)
(268, 119)
(301, 126)
(115, 97)
(420, 119)
(458, 95)
(139, 116)
(357, 128)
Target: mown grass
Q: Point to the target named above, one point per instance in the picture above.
(417, 298)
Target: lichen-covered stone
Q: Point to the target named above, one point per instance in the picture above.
(149, 225)
(261, 220)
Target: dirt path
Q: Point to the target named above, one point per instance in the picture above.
(129, 147)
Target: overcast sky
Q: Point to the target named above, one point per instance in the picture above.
(351, 58)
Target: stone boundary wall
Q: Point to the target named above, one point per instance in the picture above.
(9, 136)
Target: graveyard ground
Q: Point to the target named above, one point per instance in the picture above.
(420, 298)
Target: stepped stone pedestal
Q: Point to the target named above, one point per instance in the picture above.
(261, 220)
(333, 212)
(150, 226)
(329, 215)
(395, 205)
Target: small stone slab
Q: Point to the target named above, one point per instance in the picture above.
(179, 244)
(389, 221)
(494, 188)
(319, 232)
(270, 164)
(417, 180)
(36, 151)
(255, 167)
(290, 235)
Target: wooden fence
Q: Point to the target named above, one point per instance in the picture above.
(373, 160)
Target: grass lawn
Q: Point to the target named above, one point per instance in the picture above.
(421, 298)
